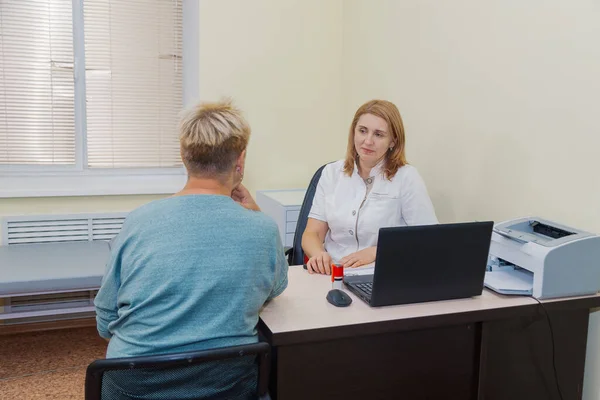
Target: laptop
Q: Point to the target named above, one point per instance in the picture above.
(426, 263)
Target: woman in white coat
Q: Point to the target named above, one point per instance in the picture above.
(372, 188)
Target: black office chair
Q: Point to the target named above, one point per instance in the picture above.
(236, 372)
(295, 254)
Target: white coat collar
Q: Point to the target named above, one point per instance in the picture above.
(376, 171)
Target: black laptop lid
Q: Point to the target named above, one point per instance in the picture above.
(430, 262)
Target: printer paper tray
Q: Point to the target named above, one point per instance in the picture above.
(510, 282)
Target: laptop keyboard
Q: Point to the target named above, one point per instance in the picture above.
(366, 287)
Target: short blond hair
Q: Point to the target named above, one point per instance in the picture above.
(212, 137)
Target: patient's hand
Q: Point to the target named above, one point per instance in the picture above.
(241, 195)
(360, 258)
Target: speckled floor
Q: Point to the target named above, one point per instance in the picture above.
(48, 364)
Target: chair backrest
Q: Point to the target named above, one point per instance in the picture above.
(296, 255)
(236, 372)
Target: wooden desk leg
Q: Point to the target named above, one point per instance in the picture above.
(516, 357)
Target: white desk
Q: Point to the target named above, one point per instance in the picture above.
(302, 306)
(466, 348)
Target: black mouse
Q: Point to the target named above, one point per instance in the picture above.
(338, 298)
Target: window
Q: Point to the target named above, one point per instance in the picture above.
(90, 92)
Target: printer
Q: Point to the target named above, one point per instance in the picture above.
(543, 259)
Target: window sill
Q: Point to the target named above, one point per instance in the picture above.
(106, 184)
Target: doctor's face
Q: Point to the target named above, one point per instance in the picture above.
(372, 139)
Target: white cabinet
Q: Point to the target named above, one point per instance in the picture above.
(284, 207)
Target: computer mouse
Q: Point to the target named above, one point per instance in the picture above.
(338, 298)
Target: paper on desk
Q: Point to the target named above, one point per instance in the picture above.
(368, 269)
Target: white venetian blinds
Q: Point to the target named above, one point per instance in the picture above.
(131, 53)
(133, 82)
(37, 119)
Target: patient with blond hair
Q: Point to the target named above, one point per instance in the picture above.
(191, 271)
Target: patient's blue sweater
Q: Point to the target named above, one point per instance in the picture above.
(189, 273)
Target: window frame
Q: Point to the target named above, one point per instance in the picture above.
(77, 180)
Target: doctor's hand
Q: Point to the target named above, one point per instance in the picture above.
(242, 196)
(360, 258)
(320, 264)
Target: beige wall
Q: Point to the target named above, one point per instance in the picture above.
(65, 205)
(500, 102)
(281, 62)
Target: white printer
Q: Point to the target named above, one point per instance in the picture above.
(532, 256)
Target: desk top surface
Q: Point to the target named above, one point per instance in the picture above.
(303, 307)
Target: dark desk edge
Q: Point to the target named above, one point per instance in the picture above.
(431, 321)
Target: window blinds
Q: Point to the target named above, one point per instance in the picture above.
(133, 82)
(37, 119)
